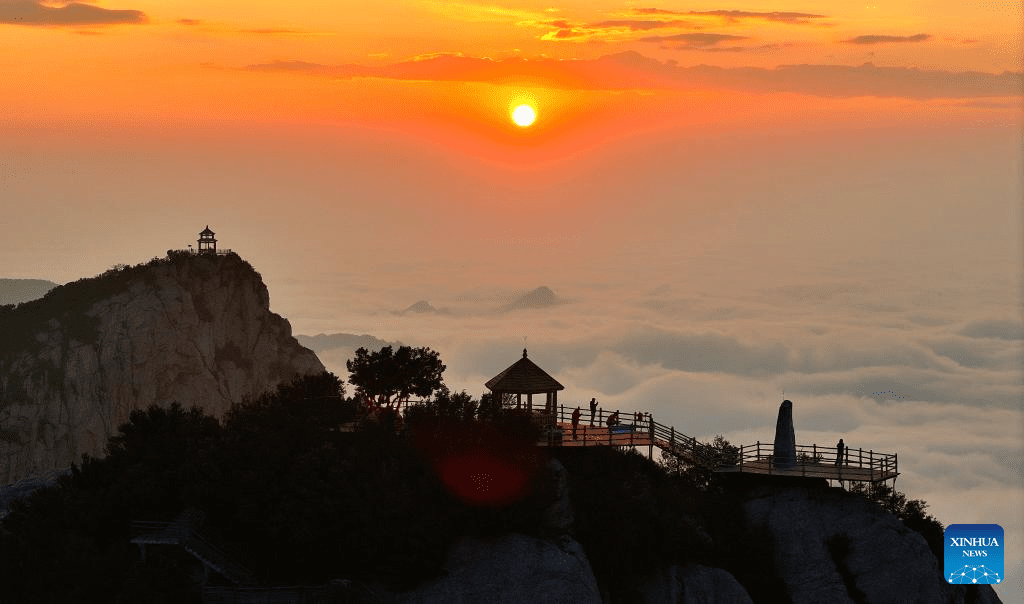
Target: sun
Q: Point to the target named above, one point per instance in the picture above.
(523, 115)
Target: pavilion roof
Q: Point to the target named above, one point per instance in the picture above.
(206, 231)
(523, 377)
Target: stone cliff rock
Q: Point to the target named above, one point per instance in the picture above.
(195, 329)
(559, 515)
(511, 569)
(692, 584)
(832, 547)
(829, 546)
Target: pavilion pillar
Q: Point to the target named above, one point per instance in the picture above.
(519, 401)
(529, 403)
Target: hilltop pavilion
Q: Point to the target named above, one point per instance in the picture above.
(525, 377)
(206, 242)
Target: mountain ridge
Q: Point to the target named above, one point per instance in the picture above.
(16, 291)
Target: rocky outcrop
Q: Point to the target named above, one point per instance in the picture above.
(194, 329)
(692, 584)
(559, 516)
(510, 569)
(833, 547)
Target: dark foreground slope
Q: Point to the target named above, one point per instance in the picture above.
(421, 515)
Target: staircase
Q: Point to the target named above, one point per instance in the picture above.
(184, 532)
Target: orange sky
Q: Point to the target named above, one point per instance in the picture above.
(429, 62)
(731, 199)
(180, 80)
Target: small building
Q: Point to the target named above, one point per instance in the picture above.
(525, 377)
(207, 243)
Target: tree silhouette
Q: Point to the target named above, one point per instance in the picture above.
(394, 375)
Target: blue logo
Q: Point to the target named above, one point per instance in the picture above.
(973, 553)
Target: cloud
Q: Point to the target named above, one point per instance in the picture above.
(337, 71)
(733, 16)
(877, 39)
(944, 394)
(271, 31)
(1002, 329)
(700, 352)
(694, 39)
(473, 12)
(640, 25)
(188, 22)
(36, 14)
(632, 71)
(609, 30)
(736, 48)
(706, 42)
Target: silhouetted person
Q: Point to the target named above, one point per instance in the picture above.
(840, 449)
(593, 408)
(613, 420)
(575, 422)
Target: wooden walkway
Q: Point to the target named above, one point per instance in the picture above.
(813, 470)
(812, 461)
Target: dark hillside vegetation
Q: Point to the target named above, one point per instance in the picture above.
(299, 501)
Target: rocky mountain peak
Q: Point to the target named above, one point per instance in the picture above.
(190, 328)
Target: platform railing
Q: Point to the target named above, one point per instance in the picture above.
(818, 460)
(631, 431)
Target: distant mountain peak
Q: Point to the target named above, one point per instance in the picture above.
(16, 291)
(542, 297)
(424, 307)
(322, 342)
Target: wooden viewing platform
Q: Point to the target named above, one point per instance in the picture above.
(812, 461)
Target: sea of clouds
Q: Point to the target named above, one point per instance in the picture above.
(911, 362)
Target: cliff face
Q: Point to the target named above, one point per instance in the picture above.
(828, 546)
(196, 329)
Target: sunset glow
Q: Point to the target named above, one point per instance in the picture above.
(728, 200)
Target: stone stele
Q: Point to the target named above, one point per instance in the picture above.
(785, 437)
